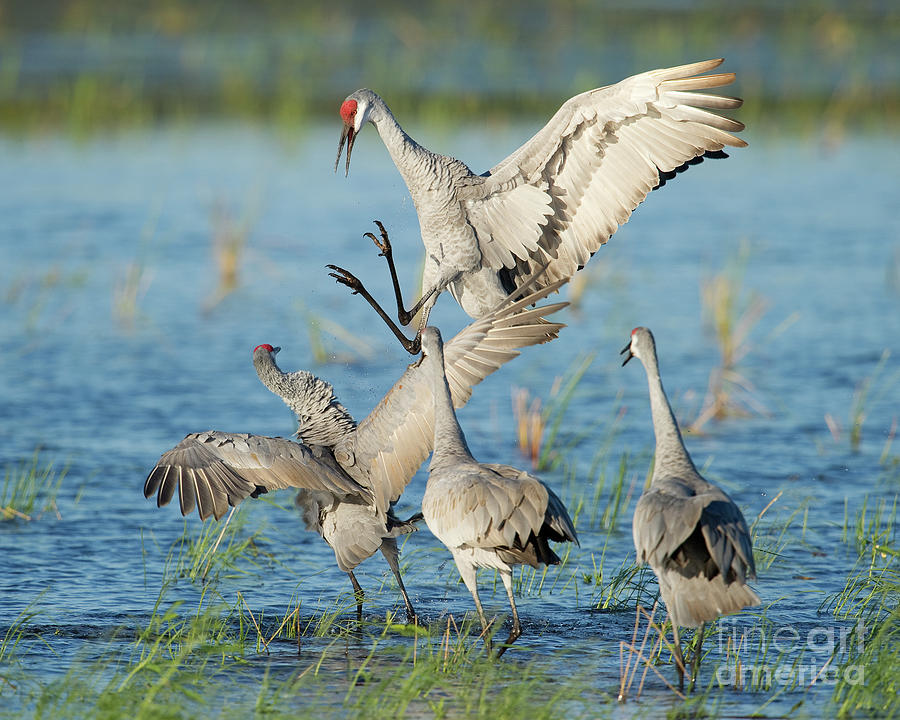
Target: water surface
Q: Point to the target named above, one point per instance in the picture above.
(104, 390)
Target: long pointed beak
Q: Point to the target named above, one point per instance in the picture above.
(347, 136)
(276, 350)
(627, 349)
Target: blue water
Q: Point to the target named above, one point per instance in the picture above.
(105, 393)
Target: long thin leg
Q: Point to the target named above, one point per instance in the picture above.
(410, 613)
(467, 572)
(391, 556)
(516, 631)
(384, 244)
(345, 277)
(695, 663)
(679, 658)
(360, 595)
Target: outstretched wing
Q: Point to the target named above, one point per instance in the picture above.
(567, 190)
(398, 435)
(214, 470)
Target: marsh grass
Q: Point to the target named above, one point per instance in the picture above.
(533, 417)
(204, 552)
(770, 534)
(868, 677)
(233, 63)
(226, 658)
(869, 391)
(13, 637)
(446, 678)
(229, 234)
(731, 314)
(620, 587)
(168, 670)
(872, 530)
(131, 285)
(46, 296)
(360, 348)
(886, 459)
(642, 653)
(30, 489)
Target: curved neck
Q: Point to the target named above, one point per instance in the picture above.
(406, 153)
(321, 419)
(670, 451)
(450, 446)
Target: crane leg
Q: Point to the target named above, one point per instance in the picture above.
(345, 277)
(679, 659)
(516, 631)
(360, 595)
(384, 244)
(695, 663)
(411, 616)
(467, 572)
(394, 565)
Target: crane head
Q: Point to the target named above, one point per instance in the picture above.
(354, 112)
(640, 344)
(348, 135)
(265, 347)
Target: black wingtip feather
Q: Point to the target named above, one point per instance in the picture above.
(167, 486)
(666, 175)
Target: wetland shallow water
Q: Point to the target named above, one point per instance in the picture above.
(115, 345)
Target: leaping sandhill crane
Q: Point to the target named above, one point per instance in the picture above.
(488, 516)
(690, 532)
(557, 198)
(349, 475)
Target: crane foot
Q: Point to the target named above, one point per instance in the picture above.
(345, 277)
(383, 243)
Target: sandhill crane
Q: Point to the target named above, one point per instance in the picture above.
(557, 198)
(489, 516)
(690, 532)
(349, 475)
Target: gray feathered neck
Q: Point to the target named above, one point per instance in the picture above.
(450, 447)
(321, 419)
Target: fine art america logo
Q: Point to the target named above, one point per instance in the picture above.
(810, 656)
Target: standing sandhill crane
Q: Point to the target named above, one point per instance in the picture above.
(348, 475)
(690, 532)
(557, 198)
(489, 516)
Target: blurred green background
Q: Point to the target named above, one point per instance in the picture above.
(89, 65)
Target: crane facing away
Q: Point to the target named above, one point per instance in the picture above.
(690, 532)
(561, 195)
(348, 475)
(488, 516)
